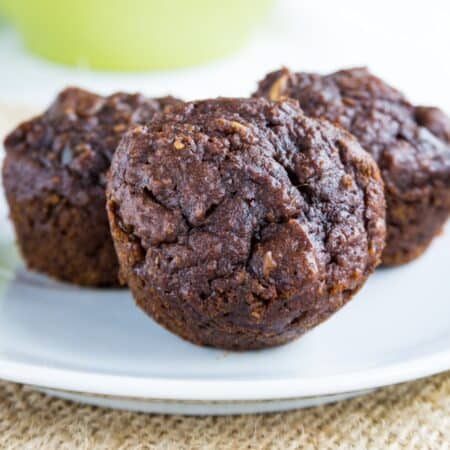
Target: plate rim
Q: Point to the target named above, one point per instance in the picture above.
(219, 389)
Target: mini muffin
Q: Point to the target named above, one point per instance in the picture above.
(410, 145)
(242, 223)
(54, 179)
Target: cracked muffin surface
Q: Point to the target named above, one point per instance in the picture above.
(411, 145)
(54, 175)
(241, 223)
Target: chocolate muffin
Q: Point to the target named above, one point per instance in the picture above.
(54, 178)
(242, 223)
(410, 145)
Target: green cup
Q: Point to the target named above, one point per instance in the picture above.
(134, 34)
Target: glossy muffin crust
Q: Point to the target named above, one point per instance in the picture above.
(54, 178)
(410, 145)
(242, 223)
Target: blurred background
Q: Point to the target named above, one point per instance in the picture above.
(205, 48)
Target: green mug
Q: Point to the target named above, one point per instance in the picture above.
(134, 34)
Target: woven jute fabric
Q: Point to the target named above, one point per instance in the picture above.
(414, 415)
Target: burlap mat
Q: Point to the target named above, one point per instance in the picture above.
(412, 416)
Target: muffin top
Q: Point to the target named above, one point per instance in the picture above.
(410, 144)
(77, 135)
(247, 206)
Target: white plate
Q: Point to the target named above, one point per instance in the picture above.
(96, 342)
(97, 347)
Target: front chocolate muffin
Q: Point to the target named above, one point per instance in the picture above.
(410, 145)
(240, 223)
(54, 177)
